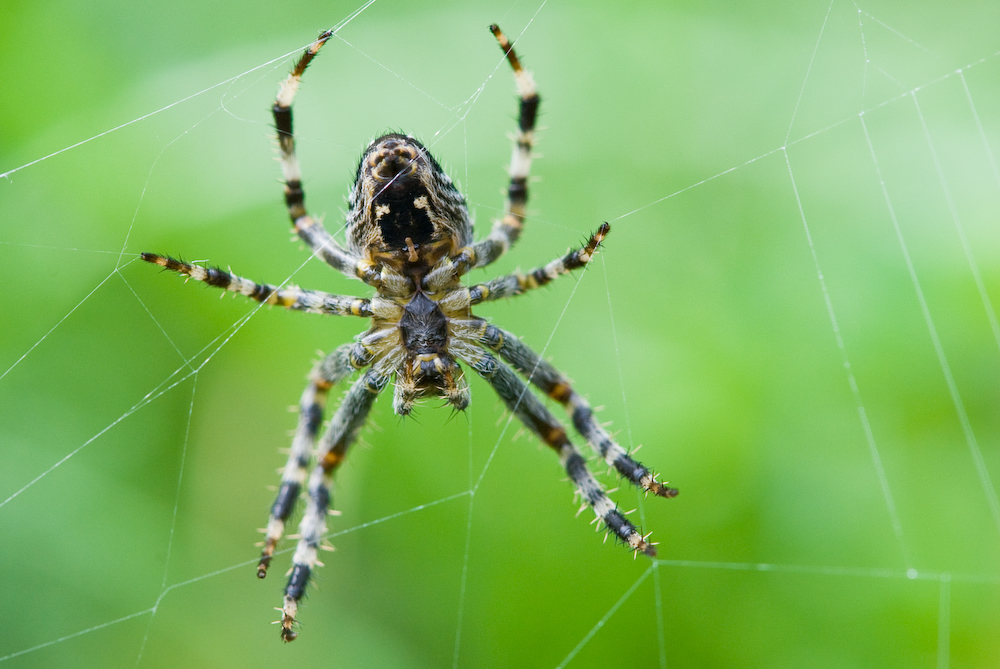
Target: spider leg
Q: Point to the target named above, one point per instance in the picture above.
(292, 297)
(517, 283)
(530, 411)
(309, 229)
(507, 228)
(329, 371)
(555, 385)
(343, 430)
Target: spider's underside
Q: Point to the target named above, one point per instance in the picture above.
(410, 238)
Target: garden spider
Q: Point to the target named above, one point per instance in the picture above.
(410, 238)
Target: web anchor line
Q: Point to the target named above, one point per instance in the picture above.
(944, 579)
(883, 480)
(984, 476)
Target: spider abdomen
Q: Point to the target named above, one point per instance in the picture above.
(403, 201)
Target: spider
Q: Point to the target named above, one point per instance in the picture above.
(410, 238)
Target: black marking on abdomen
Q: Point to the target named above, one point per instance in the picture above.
(404, 221)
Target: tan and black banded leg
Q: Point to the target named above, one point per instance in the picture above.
(309, 229)
(517, 283)
(332, 369)
(341, 433)
(292, 297)
(530, 411)
(557, 386)
(507, 228)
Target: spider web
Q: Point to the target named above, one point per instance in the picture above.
(794, 313)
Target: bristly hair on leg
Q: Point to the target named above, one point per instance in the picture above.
(409, 237)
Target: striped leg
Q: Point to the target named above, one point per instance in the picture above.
(292, 297)
(530, 411)
(557, 386)
(339, 436)
(309, 229)
(507, 229)
(335, 367)
(515, 284)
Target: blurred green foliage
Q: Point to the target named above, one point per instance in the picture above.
(703, 330)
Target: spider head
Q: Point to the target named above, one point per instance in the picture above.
(403, 203)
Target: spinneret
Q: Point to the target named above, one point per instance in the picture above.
(410, 237)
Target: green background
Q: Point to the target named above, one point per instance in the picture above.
(703, 330)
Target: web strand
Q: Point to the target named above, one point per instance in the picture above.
(805, 80)
(173, 516)
(953, 210)
(459, 114)
(944, 623)
(970, 437)
(883, 480)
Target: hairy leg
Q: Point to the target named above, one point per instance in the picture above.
(343, 430)
(332, 369)
(557, 386)
(530, 411)
(309, 229)
(292, 297)
(518, 283)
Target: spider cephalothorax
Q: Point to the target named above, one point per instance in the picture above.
(410, 239)
(407, 217)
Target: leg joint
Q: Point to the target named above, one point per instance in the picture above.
(375, 383)
(492, 337)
